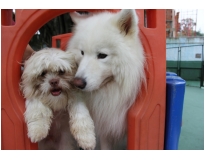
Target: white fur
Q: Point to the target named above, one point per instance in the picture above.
(80, 121)
(113, 82)
(47, 114)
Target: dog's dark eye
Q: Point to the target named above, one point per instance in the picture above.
(102, 56)
(82, 52)
(43, 73)
(61, 72)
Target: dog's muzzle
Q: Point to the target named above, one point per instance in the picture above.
(79, 82)
(56, 90)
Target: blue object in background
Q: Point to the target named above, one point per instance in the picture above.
(175, 89)
(171, 74)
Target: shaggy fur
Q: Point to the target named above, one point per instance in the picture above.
(110, 60)
(55, 115)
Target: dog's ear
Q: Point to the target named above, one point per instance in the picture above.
(77, 17)
(127, 21)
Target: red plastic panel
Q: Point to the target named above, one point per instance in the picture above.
(62, 40)
(146, 118)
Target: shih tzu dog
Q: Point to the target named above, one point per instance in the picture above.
(55, 115)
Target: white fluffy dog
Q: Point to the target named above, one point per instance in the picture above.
(110, 59)
(55, 114)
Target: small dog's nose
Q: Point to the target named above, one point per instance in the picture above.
(79, 82)
(54, 82)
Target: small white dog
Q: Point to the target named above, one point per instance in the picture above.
(110, 59)
(56, 116)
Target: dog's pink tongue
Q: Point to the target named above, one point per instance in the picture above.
(56, 92)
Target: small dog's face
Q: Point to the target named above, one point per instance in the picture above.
(47, 75)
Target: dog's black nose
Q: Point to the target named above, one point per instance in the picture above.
(79, 82)
(54, 82)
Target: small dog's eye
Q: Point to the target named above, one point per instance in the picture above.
(82, 52)
(43, 73)
(102, 56)
(61, 72)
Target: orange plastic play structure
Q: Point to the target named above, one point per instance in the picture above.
(146, 118)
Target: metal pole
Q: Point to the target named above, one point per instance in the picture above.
(179, 62)
(202, 68)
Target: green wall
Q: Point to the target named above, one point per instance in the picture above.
(188, 70)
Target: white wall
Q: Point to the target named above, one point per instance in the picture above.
(187, 53)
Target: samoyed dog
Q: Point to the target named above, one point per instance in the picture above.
(110, 60)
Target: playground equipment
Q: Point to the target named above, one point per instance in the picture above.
(175, 89)
(146, 118)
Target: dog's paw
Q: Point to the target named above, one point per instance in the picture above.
(37, 132)
(87, 142)
(84, 133)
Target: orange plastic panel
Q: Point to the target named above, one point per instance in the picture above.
(7, 18)
(145, 118)
(60, 41)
